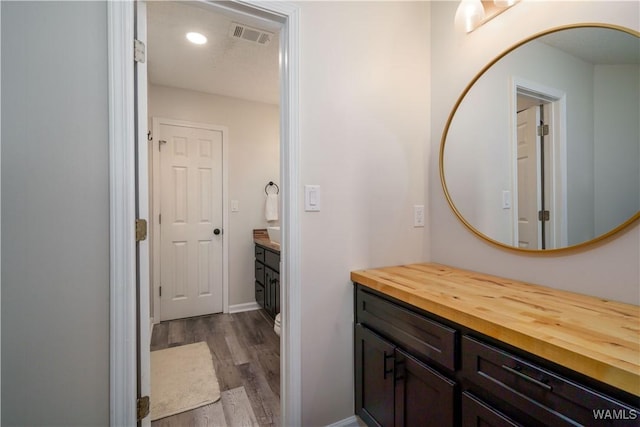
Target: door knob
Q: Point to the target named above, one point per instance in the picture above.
(217, 231)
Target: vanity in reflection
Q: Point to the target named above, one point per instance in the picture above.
(440, 346)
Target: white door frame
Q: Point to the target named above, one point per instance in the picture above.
(122, 377)
(155, 207)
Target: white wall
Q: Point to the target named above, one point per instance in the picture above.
(254, 160)
(610, 269)
(479, 150)
(55, 214)
(617, 144)
(363, 132)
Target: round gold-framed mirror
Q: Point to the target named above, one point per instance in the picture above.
(541, 152)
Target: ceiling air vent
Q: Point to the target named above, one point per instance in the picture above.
(250, 34)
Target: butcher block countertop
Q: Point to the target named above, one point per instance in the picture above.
(261, 237)
(593, 336)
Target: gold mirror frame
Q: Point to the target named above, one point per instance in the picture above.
(482, 72)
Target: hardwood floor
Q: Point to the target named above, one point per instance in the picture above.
(246, 357)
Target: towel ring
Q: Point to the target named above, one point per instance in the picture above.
(271, 184)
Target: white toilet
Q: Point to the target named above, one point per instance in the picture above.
(276, 324)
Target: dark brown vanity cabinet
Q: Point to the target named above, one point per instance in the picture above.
(413, 370)
(395, 385)
(516, 388)
(267, 279)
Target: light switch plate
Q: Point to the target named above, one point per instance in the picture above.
(235, 206)
(506, 199)
(312, 198)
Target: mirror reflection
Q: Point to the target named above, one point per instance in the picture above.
(543, 149)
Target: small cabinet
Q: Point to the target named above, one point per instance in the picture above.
(267, 279)
(413, 368)
(393, 386)
(535, 395)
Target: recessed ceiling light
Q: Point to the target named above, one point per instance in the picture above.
(196, 38)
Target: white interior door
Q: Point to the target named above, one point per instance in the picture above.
(191, 247)
(528, 178)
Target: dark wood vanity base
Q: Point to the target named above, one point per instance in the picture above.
(267, 273)
(414, 367)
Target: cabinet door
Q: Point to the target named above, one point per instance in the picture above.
(424, 397)
(374, 366)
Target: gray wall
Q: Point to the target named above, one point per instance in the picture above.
(55, 214)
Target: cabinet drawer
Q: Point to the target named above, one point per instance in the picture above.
(259, 272)
(259, 253)
(538, 392)
(420, 336)
(259, 294)
(477, 413)
(272, 260)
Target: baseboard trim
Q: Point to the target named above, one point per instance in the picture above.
(248, 306)
(352, 421)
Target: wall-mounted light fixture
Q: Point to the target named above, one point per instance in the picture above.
(473, 13)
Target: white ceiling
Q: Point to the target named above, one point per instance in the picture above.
(223, 66)
(240, 69)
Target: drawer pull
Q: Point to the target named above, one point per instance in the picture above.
(387, 371)
(516, 371)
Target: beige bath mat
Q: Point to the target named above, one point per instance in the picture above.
(182, 378)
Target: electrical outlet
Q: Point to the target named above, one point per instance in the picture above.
(418, 215)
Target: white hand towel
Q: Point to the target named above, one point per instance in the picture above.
(271, 207)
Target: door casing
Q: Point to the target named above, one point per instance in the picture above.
(122, 110)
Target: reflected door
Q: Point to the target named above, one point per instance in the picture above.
(535, 179)
(528, 188)
(191, 209)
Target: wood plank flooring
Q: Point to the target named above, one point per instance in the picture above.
(246, 357)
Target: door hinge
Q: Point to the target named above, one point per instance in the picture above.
(138, 51)
(141, 229)
(160, 291)
(160, 219)
(543, 216)
(142, 407)
(543, 130)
